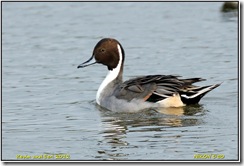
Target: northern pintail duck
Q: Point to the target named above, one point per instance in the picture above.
(141, 92)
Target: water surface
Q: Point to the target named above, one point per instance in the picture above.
(48, 105)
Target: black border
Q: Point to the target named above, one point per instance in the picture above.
(149, 161)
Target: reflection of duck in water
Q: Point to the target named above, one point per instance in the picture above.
(118, 127)
(229, 6)
(181, 111)
(159, 117)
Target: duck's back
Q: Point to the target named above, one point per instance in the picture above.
(161, 88)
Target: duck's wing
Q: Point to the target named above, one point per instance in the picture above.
(161, 88)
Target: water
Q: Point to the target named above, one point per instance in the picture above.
(48, 105)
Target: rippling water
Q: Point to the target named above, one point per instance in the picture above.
(48, 105)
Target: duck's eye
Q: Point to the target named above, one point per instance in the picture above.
(102, 50)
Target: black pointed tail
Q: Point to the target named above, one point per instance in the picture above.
(194, 95)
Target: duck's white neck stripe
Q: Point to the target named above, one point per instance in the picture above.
(112, 74)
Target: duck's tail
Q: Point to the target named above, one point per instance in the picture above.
(194, 94)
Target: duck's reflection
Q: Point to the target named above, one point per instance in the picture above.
(182, 111)
(117, 125)
(153, 117)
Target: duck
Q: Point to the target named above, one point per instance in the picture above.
(143, 92)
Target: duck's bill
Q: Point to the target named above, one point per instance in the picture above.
(89, 62)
